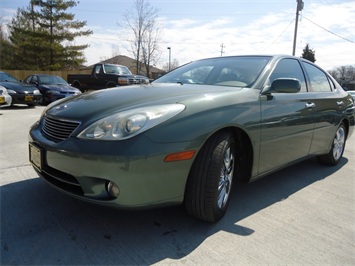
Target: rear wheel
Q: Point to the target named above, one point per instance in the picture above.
(336, 152)
(210, 180)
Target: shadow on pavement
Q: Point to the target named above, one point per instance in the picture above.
(41, 226)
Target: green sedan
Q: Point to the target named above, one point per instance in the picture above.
(189, 135)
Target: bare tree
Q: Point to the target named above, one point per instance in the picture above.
(174, 64)
(150, 47)
(146, 33)
(343, 74)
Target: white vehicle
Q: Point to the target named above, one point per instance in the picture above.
(5, 98)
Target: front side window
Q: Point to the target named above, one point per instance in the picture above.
(318, 80)
(34, 79)
(289, 68)
(97, 69)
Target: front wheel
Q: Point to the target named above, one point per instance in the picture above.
(336, 152)
(210, 180)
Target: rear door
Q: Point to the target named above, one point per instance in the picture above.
(287, 120)
(330, 105)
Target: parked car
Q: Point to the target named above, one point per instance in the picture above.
(51, 87)
(5, 98)
(352, 93)
(189, 135)
(20, 93)
(105, 76)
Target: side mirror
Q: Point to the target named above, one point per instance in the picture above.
(283, 85)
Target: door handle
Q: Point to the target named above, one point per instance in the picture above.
(310, 105)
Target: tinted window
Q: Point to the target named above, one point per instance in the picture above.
(7, 77)
(27, 80)
(289, 68)
(318, 79)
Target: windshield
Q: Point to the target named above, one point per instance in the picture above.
(121, 70)
(7, 77)
(52, 80)
(236, 71)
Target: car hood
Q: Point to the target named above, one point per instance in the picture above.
(104, 102)
(57, 87)
(18, 87)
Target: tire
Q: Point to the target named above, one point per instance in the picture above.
(210, 180)
(336, 152)
(78, 86)
(43, 101)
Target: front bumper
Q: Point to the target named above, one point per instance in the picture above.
(5, 100)
(83, 169)
(26, 99)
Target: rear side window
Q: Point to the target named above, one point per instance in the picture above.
(289, 68)
(318, 80)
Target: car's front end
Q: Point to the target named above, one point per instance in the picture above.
(53, 93)
(127, 174)
(23, 94)
(132, 80)
(114, 157)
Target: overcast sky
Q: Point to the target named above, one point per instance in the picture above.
(197, 29)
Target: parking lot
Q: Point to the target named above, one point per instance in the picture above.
(302, 215)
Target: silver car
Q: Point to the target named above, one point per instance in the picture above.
(5, 98)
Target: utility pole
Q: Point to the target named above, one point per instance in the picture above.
(300, 5)
(169, 48)
(222, 47)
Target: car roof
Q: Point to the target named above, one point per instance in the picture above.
(44, 75)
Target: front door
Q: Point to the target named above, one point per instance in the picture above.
(287, 120)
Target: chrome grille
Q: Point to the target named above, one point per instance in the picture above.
(136, 81)
(58, 129)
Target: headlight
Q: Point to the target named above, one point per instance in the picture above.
(127, 124)
(36, 92)
(123, 81)
(3, 90)
(11, 91)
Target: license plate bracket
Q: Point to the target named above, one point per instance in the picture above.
(28, 98)
(36, 156)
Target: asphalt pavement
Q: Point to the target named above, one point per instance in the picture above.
(302, 215)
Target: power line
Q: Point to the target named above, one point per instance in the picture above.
(279, 35)
(329, 31)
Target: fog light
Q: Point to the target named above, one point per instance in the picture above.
(112, 189)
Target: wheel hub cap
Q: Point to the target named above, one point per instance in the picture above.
(225, 180)
(338, 144)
